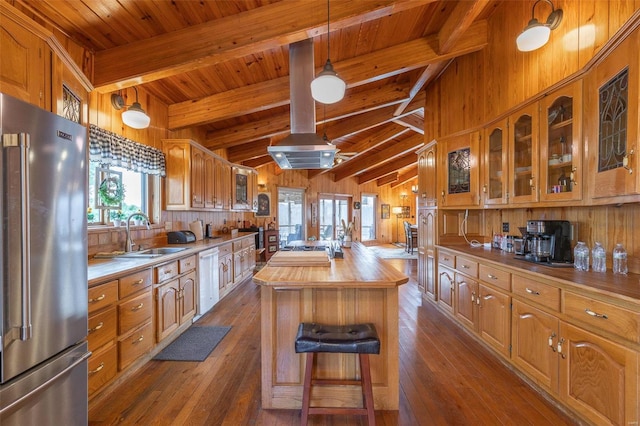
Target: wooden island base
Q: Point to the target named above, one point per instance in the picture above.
(357, 289)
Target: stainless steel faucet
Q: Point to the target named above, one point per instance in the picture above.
(129, 243)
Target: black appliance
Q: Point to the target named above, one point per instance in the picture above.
(181, 237)
(259, 235)
(548, 242)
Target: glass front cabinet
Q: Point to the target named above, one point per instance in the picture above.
(561, 145)
(496, 159)
(459, 180)
(523, 156)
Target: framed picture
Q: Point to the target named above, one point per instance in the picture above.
(264, 205)
(385, 211)
(406, 212)
(356, 205)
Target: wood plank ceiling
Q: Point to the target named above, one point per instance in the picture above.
(224, 66)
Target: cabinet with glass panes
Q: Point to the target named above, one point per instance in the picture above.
(523, 155)
(560, 146)
(495, 173)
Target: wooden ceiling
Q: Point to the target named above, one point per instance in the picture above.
(224, 66)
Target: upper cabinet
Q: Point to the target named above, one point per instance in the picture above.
(427, 176)
(199, 180)
(612, 124)
(523, 154)
(458, 176)
(495, 163)
(561, 145)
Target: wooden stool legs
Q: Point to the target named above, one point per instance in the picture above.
(364, 382)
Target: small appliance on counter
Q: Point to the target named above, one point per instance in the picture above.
(181, 237)
(547, 242)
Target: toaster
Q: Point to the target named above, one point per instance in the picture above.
(181, 237)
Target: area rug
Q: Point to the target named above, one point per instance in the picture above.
(390, 251)
(195, 344)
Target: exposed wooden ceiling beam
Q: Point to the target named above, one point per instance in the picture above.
(386, 168)
(413, 122)
(406, 175)
(353, 104)
(240, 153)
(371, 160)
(260, 161)
(231, 37)
(355, 71)
(391, 177)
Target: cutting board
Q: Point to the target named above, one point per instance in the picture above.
(300, 258)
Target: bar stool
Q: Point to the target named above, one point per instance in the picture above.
(361, 339)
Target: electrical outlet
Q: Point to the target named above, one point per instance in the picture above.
(168, 226)
(505, 226)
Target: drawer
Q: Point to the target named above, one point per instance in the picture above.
(225, 249)
(496, 277)
(134, 312)
(446, 258)
(134, 283)
(131, 348)
(247, 242)
(187, 264)
(103, 295)
(603, 315)
(543, 294)
(102, 328)
(103, 366)
(237, 246)
(167, 271)
(467, 266)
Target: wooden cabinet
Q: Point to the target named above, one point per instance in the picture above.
(197, 179)
(466, 295)
(495, 170)
(459, 171)
(25, 65)
(611, 125)
(102, 333)
(225, 270)
(494, 316)
(271, 243)
(176, 295)
(135, 316)
(427, 239)
(446, 288)
(427, 176)
(524, 155)
(561, 144)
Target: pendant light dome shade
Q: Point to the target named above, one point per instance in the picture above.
(135, 117)
(327, 87)
(534, 36)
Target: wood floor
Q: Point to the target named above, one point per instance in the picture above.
(446, 378)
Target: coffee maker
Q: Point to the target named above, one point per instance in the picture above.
(549, 242)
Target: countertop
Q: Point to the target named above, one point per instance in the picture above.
(623, 287)
(101, 270)
(359, 268)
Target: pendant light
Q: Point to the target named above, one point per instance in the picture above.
(535, 35)
(134, 116)
(327, 87)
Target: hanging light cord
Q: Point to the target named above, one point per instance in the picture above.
(328, 32)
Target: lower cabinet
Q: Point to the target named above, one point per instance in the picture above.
(176, 297)
(446, 288)
(494, 322)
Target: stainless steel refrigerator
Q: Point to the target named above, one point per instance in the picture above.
(43, 265)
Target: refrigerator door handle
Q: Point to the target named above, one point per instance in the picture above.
(22, 141)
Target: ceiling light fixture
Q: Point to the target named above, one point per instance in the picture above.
(134, 116)
(327, 87)
(535, 35)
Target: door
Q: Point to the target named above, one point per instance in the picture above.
(446, 288)
(496, 162)
(465, 307)
(291, 215)
(523, 155)
(334, 211)
(368, 217)
(494, 315)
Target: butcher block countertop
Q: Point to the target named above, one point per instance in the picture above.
(359, 268)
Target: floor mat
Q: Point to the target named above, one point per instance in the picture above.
(195, 344)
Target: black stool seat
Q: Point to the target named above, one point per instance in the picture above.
(352, 338)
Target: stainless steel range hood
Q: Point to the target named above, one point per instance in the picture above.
(303, 148)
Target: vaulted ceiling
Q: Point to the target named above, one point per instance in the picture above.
(223, 66)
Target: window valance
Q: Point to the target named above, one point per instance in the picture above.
(108, 148)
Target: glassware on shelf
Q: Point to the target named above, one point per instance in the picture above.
(619, 260)
(599, 258)
(581, 257)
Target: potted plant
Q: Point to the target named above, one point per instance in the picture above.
(116, 216)
(138, 218)
(90, 214)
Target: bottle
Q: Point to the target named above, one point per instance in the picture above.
(581, 257)
(599, 261)
(619, 259)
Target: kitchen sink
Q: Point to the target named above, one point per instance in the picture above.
(153, 252)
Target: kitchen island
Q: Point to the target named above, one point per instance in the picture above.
(356, 289)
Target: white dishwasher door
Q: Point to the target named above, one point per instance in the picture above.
(208, 279)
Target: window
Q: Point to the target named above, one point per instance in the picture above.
(135, 194)
(290, 215)
(333, 210)
(368, 217)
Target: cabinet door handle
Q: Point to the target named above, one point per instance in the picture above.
(534, 292)
(97, 299)
(140, 281)
(625, 161)
(560, 343)
(464, 266)
(96, 328)
(137, 308)
(473, 296)
(100, 367)
(138, 340)
(595, 314)
(551, 342)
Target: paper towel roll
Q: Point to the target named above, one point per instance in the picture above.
(196, 228)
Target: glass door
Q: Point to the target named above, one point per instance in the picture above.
(333, 210)
(368, 217)
(523, 155)
(290, 215)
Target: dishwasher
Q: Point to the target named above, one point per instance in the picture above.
(209, 293)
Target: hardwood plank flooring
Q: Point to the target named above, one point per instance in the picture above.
(446, 377)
